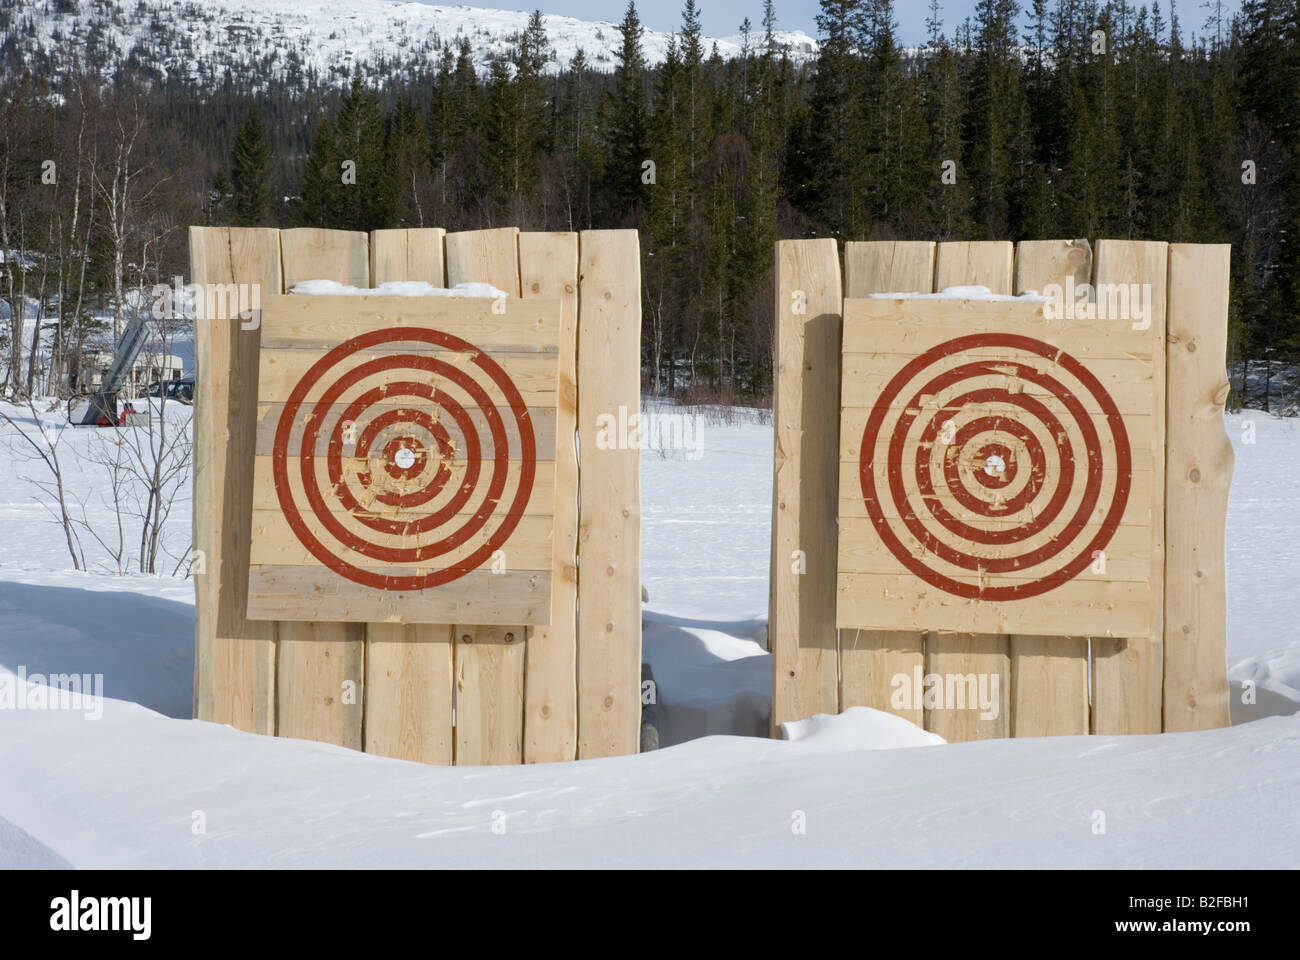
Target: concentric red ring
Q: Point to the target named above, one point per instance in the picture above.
(327, 505)
(1018, 406)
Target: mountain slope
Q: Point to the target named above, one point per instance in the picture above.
(282, 38)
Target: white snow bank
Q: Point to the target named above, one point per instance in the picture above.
(960, 293)
(128, 789)
(397, 288)
(858, 728)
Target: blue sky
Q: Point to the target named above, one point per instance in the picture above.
(722, 17)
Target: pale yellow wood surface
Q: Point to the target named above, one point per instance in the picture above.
(412, 254)
(1127, 674)
(609, 531)
(321, 682)
(306, 320)
(973, 689)
(1125, 687)
(982, 263)
(871, 660)
(485, 256)
(873, 591)
(312, 593)
(1049, 686)
(311, 667)
(1200, 464)
(548, 269)
(987, 264)
(528, 544)
(234, 663)
(489, 664)
(310, 253)
(409, 692)
(485, 673)
(801, 608)
(1049, 675)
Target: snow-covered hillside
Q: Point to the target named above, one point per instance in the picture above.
(202, 41)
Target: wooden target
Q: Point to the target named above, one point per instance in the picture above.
(405, 460)
(1000, 471)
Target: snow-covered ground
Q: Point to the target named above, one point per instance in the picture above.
(142, 785)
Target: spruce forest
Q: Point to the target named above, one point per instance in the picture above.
(1048, 119)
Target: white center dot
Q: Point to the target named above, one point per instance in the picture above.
(404, 458)
(994, 466)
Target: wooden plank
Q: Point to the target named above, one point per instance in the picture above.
(485, 671)
(609, 537)
(1133, 667)
(303, 320)
(408, 705)
(305, 675)
(888, 266)
(1200, 465)
(307, 593)
(413, 254)
(485, 256)
(987, 264)
(489, 664)
(310, 253)
(1125, 689)
(972, 689)
(1049, 686)
(234, 663)
(983, 263)
(321, 682)
(805, 407)
(548, 270)
(1049, 675)
(870, 660)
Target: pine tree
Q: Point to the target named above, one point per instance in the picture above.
(627, 132)
(250, 192)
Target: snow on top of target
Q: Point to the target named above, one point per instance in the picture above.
(397, 288)
(960, 293)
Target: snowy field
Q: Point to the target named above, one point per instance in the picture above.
(126, 782)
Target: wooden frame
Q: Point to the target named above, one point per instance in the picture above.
(1169, 675)
(391, 688)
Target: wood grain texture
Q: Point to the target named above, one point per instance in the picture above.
(408, 704)
(1200, 465)
(1049, 675)
(983, 263)
(1126, 668)
(321, 682)
(609, 525)
(485, 672)
(869, 659)
(234, 663)
(801, 607)
(489, 695)
(973, 689)
(310, 253)
(484, 256)
(1126, 682)
(311, 667)
(548, 270)
(988, 264)
(411, 254)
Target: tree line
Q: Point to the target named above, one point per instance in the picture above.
(1058, 118)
